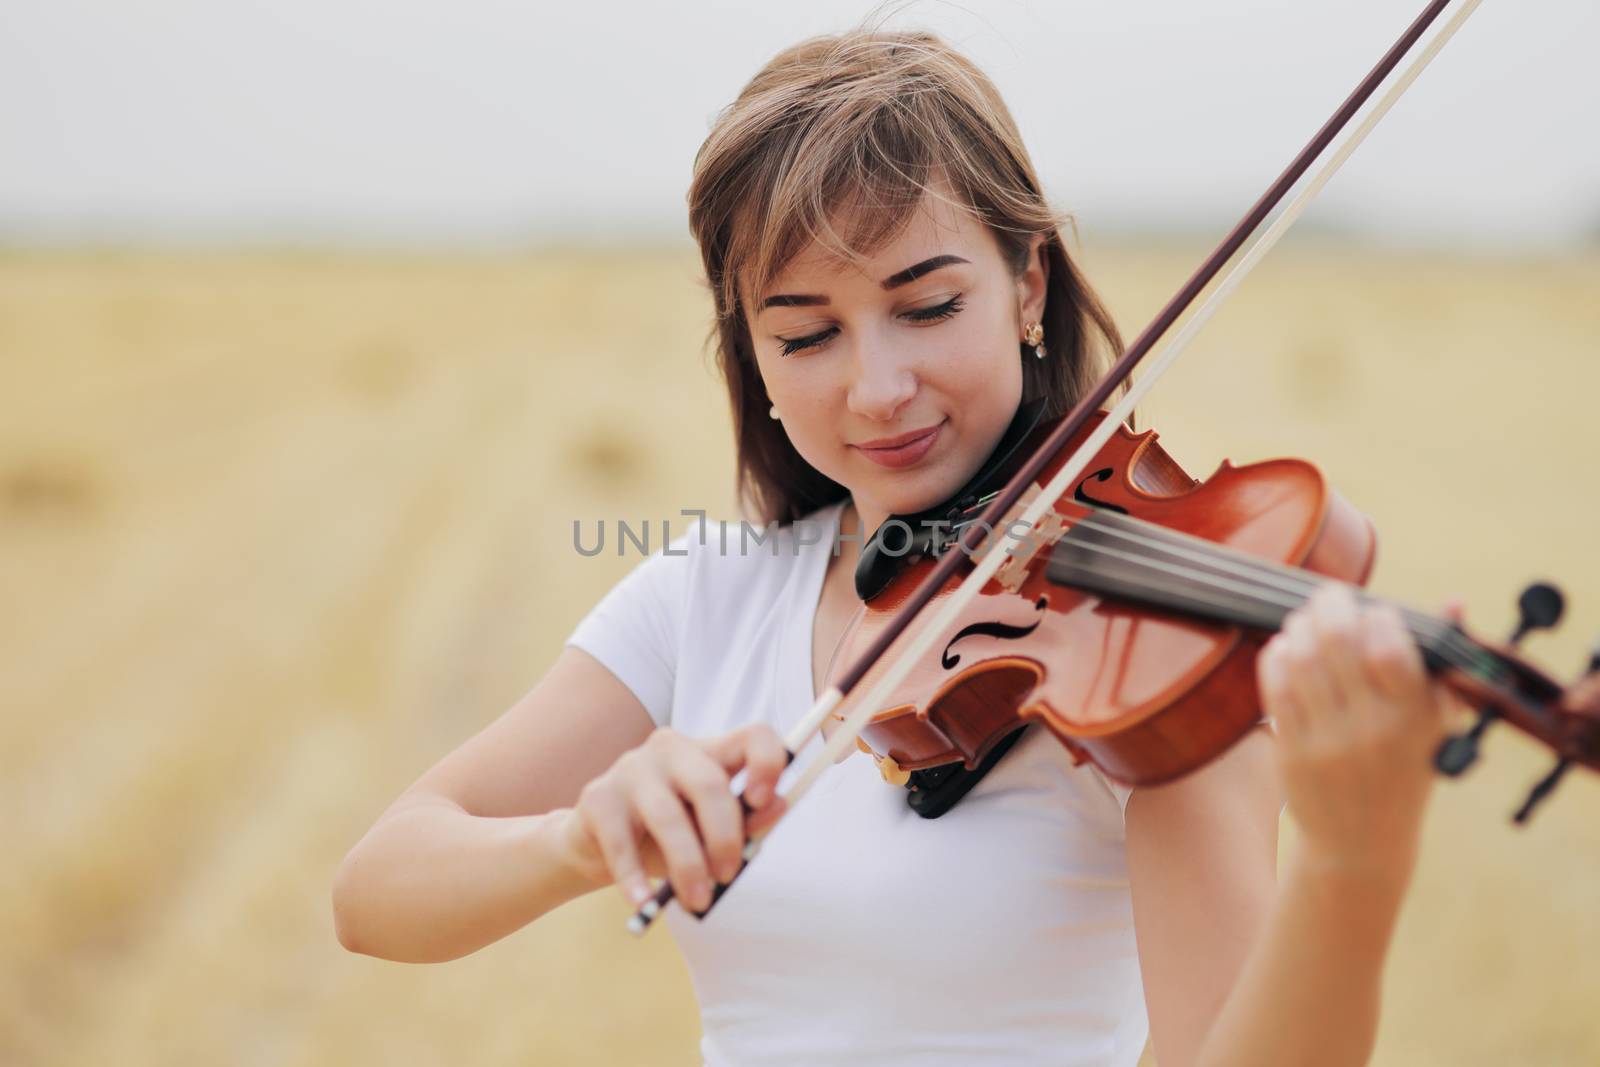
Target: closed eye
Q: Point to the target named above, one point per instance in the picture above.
(937, 312)
(790, 347)
(928, 314)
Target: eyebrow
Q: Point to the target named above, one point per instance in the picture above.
(893, 281)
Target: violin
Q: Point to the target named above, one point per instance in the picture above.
(1127, 621)
(1104, 593)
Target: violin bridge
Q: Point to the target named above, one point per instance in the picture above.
(1020, 543)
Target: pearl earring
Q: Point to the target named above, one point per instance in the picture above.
(1034, 335)
(773, 412)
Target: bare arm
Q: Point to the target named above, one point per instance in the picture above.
(1201, 857)
(1236, 974)
(571, 789)
(1310, 992)
(474, 849)
(430, 882)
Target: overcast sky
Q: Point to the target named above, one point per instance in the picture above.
(490, 121)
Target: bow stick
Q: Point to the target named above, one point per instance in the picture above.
(990, 520)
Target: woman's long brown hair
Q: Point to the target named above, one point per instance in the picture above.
(853, 130)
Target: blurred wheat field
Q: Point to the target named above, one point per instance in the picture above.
(278, 530)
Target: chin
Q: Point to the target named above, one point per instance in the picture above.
(914, 491)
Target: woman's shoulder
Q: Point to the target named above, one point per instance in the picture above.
(708, 561)
(717, 559)
(720, 587)
(747, 544)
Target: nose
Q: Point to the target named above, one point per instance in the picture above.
(884, 382)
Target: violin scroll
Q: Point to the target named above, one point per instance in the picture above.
(1538, 608)
(1503, 686)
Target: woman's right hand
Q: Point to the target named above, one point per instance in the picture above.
(665, 809)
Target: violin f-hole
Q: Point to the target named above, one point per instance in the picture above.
(1004, 630)
(1101, 475)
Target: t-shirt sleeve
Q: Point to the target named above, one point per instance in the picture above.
(635, 630)
(1118, 790)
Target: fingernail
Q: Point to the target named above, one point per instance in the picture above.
(640, 892)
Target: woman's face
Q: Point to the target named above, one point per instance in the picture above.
(897, 379)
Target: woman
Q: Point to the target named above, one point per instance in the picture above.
(889, 286)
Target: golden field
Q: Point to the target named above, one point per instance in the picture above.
(277, 530)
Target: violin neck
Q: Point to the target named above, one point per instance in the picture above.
(1125, 558)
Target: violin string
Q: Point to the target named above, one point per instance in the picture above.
(1271, 572)
(1268, 572)
(1257, 595)
(1284, 576)
(1251, 596)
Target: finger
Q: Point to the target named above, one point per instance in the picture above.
(757, 751)
(605, 816)
(765, 758)
(1336, 626)
(704, 784)
(1583, 696)
(1392, 663)
(1277, 697)
(1455, 610)
(764, 819)
(667, 822)
(1454, 713)
(1307, 676)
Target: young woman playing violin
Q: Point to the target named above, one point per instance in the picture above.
(890, 286)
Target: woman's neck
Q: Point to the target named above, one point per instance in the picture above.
(869, 518)
(853, 532)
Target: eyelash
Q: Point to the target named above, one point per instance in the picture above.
(928, 314)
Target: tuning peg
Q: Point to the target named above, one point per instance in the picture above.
(1459, 751)
(1546, 785)
(1541, 789)
(1538, 608)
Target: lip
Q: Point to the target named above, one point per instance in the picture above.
(904, 449)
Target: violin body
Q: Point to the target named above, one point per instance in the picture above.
(1147, 694)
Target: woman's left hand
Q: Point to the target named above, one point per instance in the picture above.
(1357, 722)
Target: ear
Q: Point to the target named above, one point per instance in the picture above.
(1033, 282)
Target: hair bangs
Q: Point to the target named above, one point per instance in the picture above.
(847, 185)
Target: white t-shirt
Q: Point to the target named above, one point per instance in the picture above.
(999, 933)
